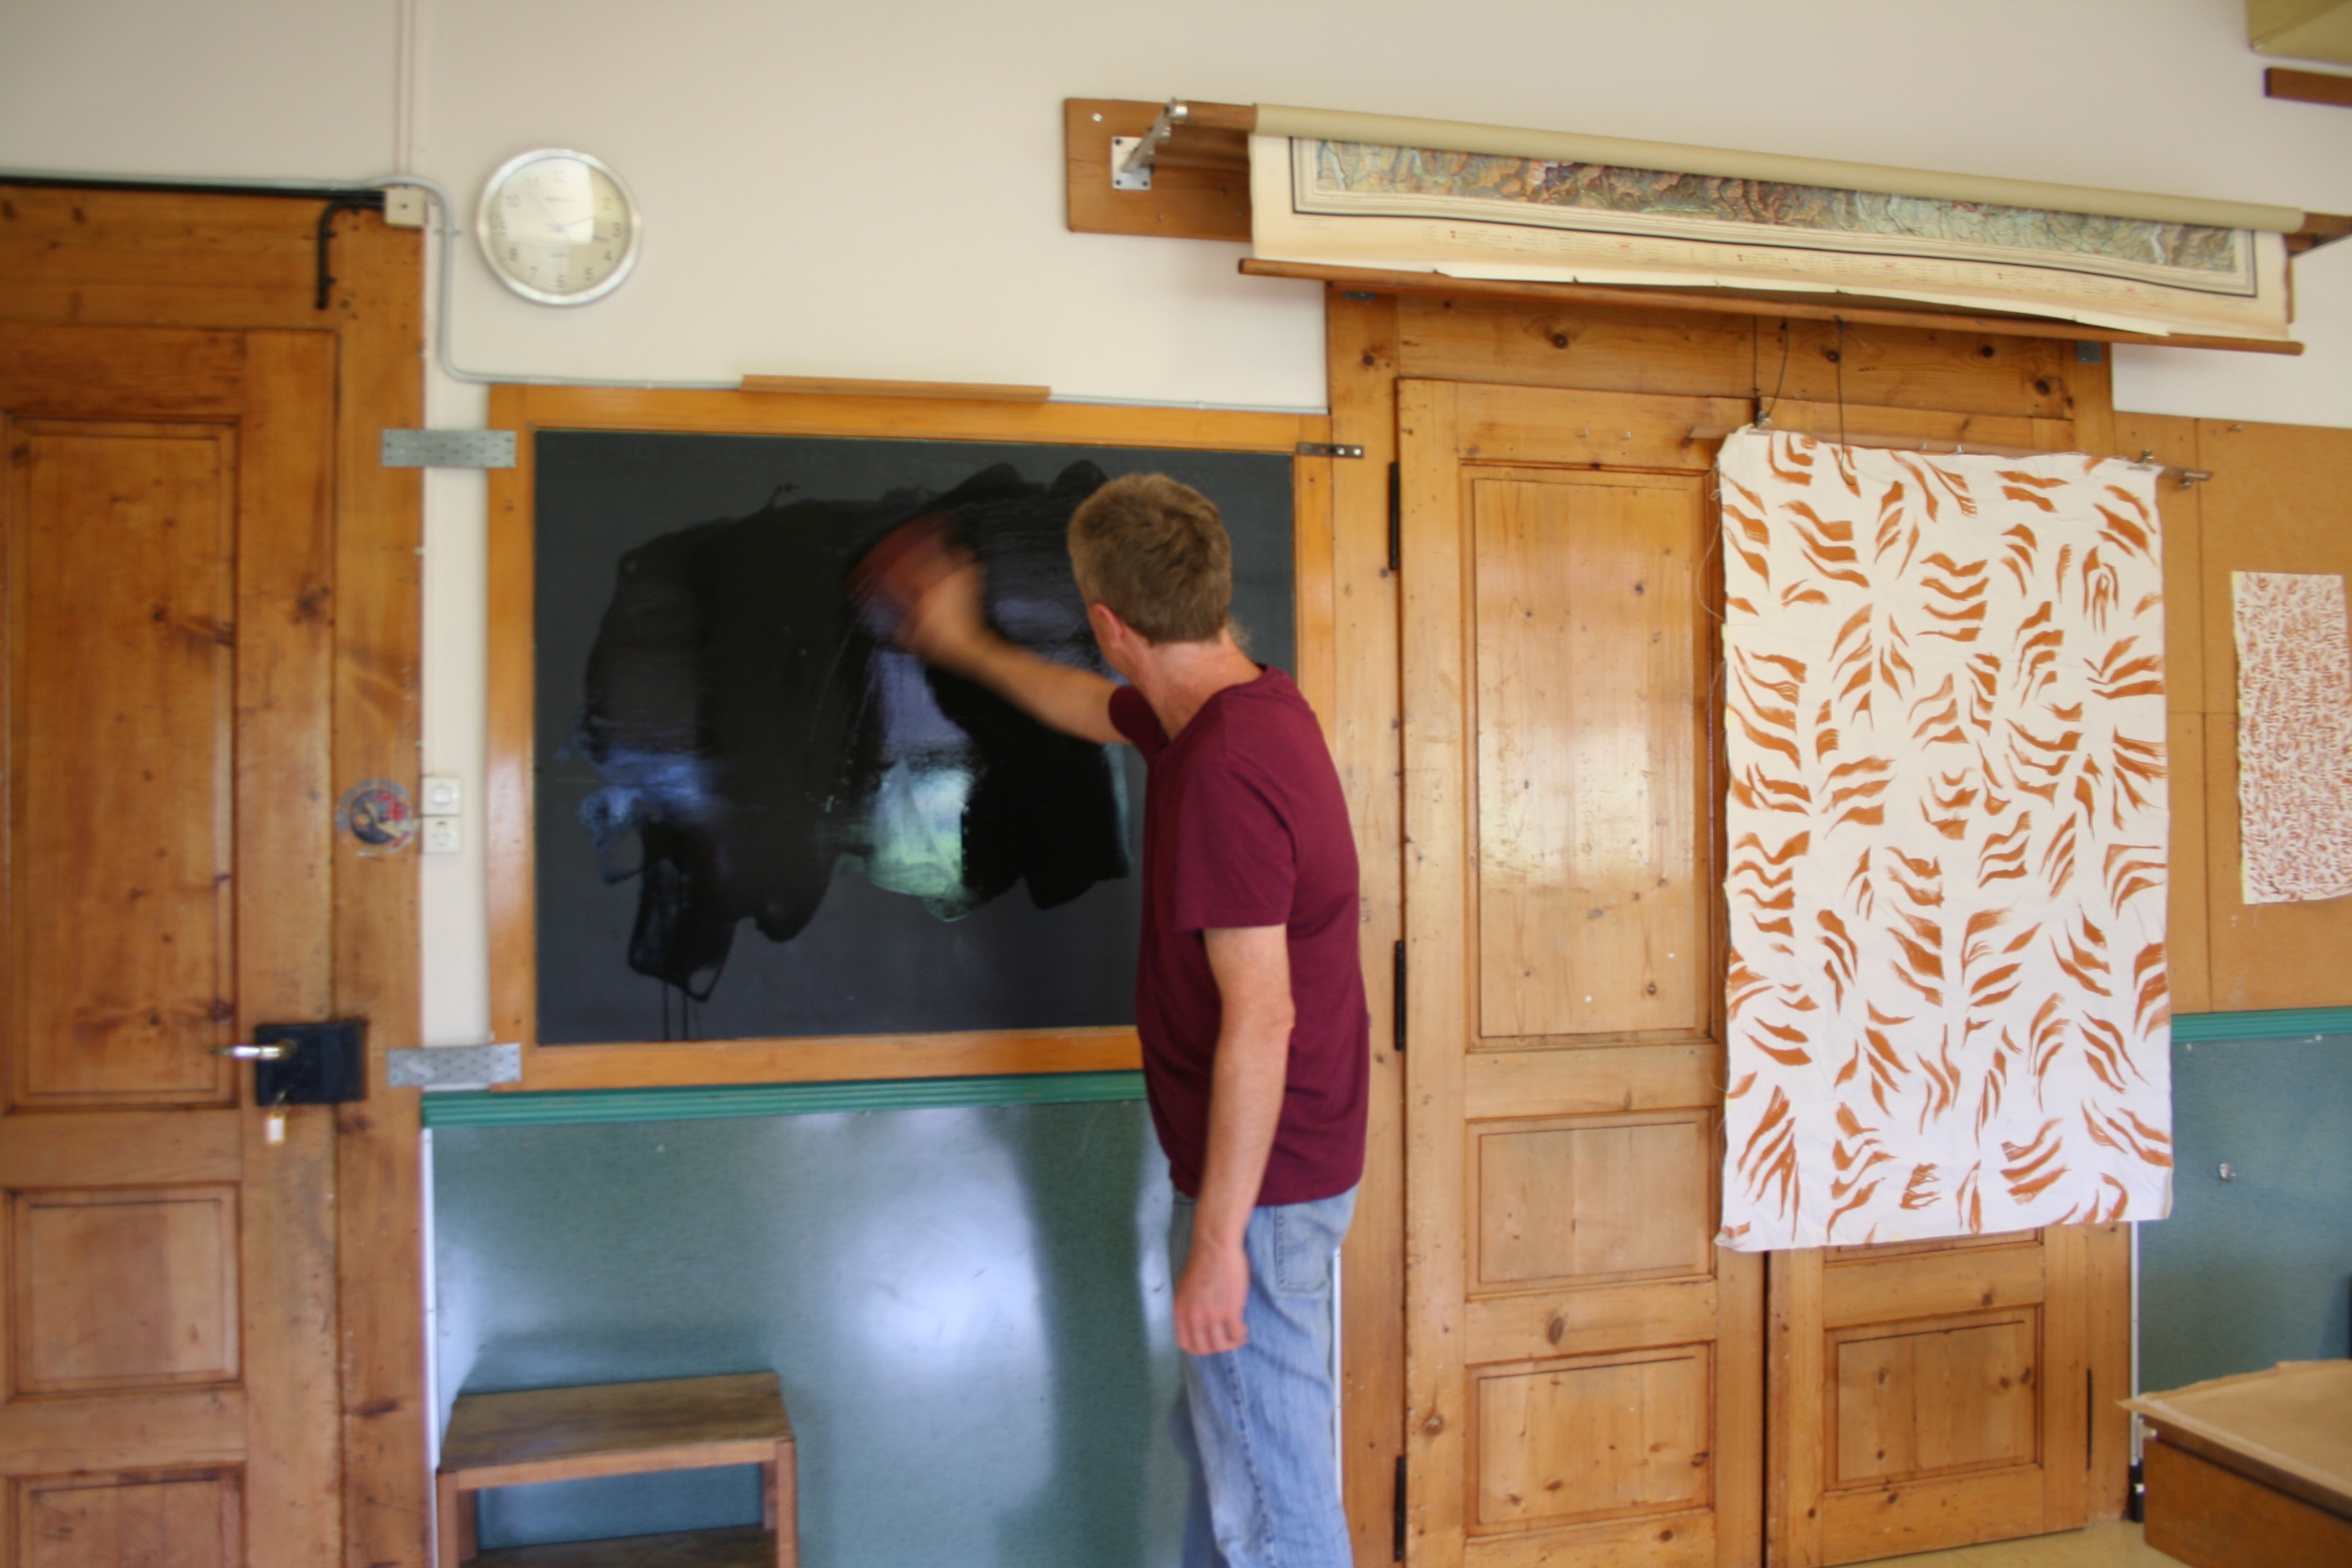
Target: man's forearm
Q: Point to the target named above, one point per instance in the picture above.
(1075, 701)
(1246, 1082)
(1245, 1106)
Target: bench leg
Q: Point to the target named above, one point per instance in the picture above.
(454, 1524)
(783, 1506)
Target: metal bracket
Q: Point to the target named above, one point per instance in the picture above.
(453, 1066)
(1131, 157)
(448, 449)
(1326, 449)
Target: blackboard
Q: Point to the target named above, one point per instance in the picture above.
(752, 818)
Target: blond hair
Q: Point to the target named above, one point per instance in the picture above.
(1154, 553)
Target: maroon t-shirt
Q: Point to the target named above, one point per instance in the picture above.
(1244, 825)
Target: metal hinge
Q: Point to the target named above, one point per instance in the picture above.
(448, 449)
(1396, 519)
(1396, 1020)
(1397, 1553)
(453, 1067)
(1328, 449)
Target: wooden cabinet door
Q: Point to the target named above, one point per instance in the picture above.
(167, 1318)
(1584, 1367)
(1929, 1395)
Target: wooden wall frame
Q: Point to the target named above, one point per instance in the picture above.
(527, 410)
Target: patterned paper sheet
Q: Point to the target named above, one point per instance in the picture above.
(1477, 214)
(2294, 736)
(1945, 722)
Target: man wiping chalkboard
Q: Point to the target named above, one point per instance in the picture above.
(1249, 997)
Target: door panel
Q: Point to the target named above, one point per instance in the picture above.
(189, 1519)
(171, 1390)
(1584, 1367)
(121, 557)
(1589, 916)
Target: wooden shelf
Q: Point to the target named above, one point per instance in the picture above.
(622, 1429)
(745, 1546)
(1729, 302)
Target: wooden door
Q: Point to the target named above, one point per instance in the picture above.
(168, 1371)
(1584, 1368)
(1932, 1395)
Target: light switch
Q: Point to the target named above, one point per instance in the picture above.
(441, 795)
(443, 835)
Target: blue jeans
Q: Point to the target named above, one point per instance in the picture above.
(1255, 1424)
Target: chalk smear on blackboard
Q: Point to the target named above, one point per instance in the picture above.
(755, 733)
(873, 958)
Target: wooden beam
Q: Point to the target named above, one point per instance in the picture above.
(960, 390)
(1723, 302)
(2307, 86)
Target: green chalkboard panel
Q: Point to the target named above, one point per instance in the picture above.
(966, 1307)
(2257, 1270)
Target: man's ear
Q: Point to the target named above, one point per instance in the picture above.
(1108, 629)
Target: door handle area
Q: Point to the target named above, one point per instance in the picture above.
(272, 1053)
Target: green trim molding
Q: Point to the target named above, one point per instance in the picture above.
(546, 1108)
(2285, 1024)
(478, 1108)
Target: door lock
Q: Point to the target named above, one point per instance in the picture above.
(306, 1064)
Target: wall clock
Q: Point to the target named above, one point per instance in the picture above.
(558, 226)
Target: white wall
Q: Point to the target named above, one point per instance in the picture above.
(876, 189)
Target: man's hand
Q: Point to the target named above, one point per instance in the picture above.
(1210, 1299)
(938, 590)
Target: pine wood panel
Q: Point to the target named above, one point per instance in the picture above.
(2173, 441)
(1740, 303)
(158, 259)
(121, 607)
(1894, 1288)
(1621, 349)
(180, 1520)
(379, 538)
(1574, 1321)
(291, 1483)
(116, 1289)
(1591, 1079)
(1521, 1232)
(2210, 1516)
(1592, 1199)
(2276, 503)
(1952, 1394)
(81, 372)
(1591, 430)
(1591, 920)
(1360, 344)
(1593, 1438)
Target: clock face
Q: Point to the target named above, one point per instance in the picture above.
(559, 228)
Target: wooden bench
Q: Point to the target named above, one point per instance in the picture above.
(622, 1429)
(2254, 1471)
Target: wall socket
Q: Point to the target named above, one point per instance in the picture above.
(443, 835)
(440, 794)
